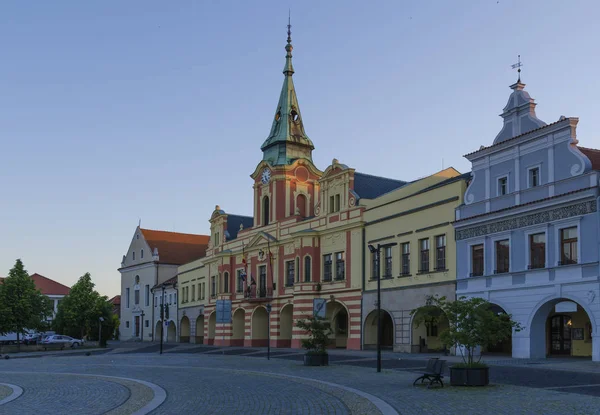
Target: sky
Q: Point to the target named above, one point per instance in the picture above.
(113, 112)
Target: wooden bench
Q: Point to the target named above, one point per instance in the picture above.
(433, 373)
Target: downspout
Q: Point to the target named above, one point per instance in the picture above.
(363, 285)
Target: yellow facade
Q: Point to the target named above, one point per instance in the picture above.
(192, 286)
(419, 213)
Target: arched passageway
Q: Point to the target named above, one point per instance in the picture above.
(184, 330)
(387, 330)
(337, 314)
(212, 327)
(200, 329)
(171, 332)
(158, 331)
(561, 327)
(286, 326)
(259, 327)
(425, 333)
(504, 347)
(239, 327)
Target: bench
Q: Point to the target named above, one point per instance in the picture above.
(433, 373)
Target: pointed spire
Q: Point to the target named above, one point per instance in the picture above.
(288, 70)
(287, 140)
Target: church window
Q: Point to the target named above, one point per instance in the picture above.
(265, 211)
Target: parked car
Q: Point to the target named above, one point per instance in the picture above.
(32, 338)
(58, 339)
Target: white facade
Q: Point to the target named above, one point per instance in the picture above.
(168, 327)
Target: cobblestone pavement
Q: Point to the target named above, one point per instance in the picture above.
(210, 383)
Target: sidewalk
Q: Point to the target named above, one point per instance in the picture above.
(78, 351)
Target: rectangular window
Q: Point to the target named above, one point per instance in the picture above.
(170, 298)
(226, 282)
(175, 298)
(502, 256)
(240, 281)
(568, 243)
(340, 266)
(133, 255)
(127, 297)
(213, 291)
(127, 324)
(337, 203)
(374, 266)
(476, 260)
(388, 262)
(424, 259)
(440, 252)
(289, 273)
(147, 295)
(537, 251)
(156, 301)
(193, 293)
(327, 263)
(331, 204)
(147, 323)
(534, 177)
(136, 297)
(297, 269)
(502, 186)
(406, 258)
(217, 238)
(307, 266)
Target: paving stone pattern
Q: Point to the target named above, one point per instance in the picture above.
(210, 383)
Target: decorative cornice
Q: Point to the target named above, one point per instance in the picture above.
(564, 212)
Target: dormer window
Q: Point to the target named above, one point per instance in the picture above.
(217, 238)
(502, 186)
(334, 203)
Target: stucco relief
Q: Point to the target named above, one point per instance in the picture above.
(564, 212)
(289, 249)
(470, 197)
(332, 239)
(591, 295)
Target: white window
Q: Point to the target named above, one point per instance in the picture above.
(502, 185)
(533, 176)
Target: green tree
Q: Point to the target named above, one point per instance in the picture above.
(22, 306)
(471, 321)
(319, 330)
(79, 312)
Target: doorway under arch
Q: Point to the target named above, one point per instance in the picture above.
(212, 327)
(387, 330)
(337, 314)
(171, 332)
(200, 329)
(259, 327)
(239, 327)
(184, 330)
(158, 331)
(286, 326)
(425, 333)
(561, 327)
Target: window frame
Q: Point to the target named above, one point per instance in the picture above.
(537, 167)
(528, 233)
(213, 286)
(559, 243)
(307, 268)
(290, 272)
(405, 259)
(327, 267)
(388, 262)
(437, 253)
(496, 240)
(226, 282)
(147, 295)
(127, 295)
(471, 245)
(498, 187)
(239, 285)
(340, 258)
(422, 269)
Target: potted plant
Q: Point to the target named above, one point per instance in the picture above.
(471, 324)
(318, 330)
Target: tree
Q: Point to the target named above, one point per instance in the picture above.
(471, 321)
(22, 306)
(318, 330)
(79, 312)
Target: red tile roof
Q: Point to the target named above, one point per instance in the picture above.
(170, 281)
(176, 248)
(593, 155)
(48, 286)
(116, 300)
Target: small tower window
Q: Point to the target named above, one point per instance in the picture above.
(294, 115)
(265, 212)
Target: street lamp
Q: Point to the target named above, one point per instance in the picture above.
(142, 323)
(376, 251)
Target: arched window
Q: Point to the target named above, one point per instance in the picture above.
(301, 207)
(307, 265)
(265, 211)
(142, 254)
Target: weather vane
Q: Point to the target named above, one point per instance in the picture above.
(518, 67)
(289, 26)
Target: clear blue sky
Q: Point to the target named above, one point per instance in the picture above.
(113, 111)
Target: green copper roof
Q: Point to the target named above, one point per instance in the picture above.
(287, 140)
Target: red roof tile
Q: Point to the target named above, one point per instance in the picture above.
(116, 300)
(593, 155)
(176, 248)
(170, 281)
(48, 286)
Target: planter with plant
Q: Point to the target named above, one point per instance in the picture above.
(318, 330)
(471, 324)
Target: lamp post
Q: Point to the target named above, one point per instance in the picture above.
(142, 323)
(162, 317)
(100, 320)
(376, 251)
(268, 331)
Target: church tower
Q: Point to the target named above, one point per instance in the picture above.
(286, 178)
